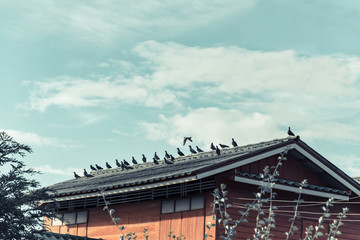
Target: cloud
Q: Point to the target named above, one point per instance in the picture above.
(212, 124)
(63, 171)
(349, 164)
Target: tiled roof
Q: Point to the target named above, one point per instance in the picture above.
(58, 236)
(145, 173)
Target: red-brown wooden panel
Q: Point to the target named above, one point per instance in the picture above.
(193, 224)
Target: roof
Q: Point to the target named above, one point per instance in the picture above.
(192, 167)
(58, 236)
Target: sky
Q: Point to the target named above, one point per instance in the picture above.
(85, 82)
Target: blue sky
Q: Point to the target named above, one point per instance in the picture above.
(85, 82)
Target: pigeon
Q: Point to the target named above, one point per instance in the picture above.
(217, 150)
(156, 156)
(126, 162)
(199, 149)
(86, 174)
(134, 161)
(98, 167)
(223, 145)
(167, 155)
(117, 163)
(92, 167)
(143, 158)
(155, 161)
(127, 167)
(123, 166)
(167, 161)
(108, 165)
(290, 133)
(212, 147)
(185, 139)
(76, 176)
(192, 150)
(179, 152)
(172, 158)
(234, 143)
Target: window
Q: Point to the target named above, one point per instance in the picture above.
(182, 204)
(70, 218)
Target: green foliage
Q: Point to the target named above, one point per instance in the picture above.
(20, 212)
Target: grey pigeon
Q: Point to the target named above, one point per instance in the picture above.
(234, 143)
(185, 139)
(167, 155)
(155, 161)
(76, 176)
(192, 150)
(127, 167)
(167, 161)
(98, 167)
(223, 145)
(123, 166)
(156, 156)
(143, 158)
(290, 133)
(180, 152)
(134, 161)
(117, 163)
(108, 165)
(86, 174)
(172, 158)
(92, 168)
(199, 149)
(212, 147)
(217, 150)
(126, 162)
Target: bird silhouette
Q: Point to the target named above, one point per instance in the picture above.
(86, 174)
(98, 167)
(290, 133)
(92, 168)
(123, 166)
(217, 150)
(212, 147)
(156, 156)
(180, 152)
(186, 139)
(223, 145)
(172, 158)
(117, 163)
(167, 161)
(234, 143)
(192, 150)
(155, 161)
(134, 161)
(126, 162)
(108, 165)
(127, 167)
(76, 176)
(167, 155)
(143, 158)
(199, 149)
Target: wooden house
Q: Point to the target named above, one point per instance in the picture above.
(177, 197)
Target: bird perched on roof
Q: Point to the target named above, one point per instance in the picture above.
(167, 155)
(126, 162)
(234, 143)
(172, 158)
(98, 167)
(143, 158)
(180, 152)
(134, 161)
(117, 163)
(108, 165)
(212, 147)
(86, 174)
(76, 176)
(217, 150)
(156, 156)
(199, 149)
(223, 145)
(290, 133)
(123, 166)
(192, 150)
(127, 167)
(167, 161)
(186, 139)
(92, 168)
(155, 161)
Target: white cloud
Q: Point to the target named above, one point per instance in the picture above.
(63, 171)
(213, 124)
(347, 163)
